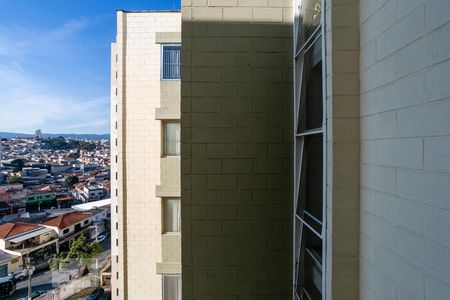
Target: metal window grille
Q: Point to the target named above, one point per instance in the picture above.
(171, 61)
(171, 287)
(310, 152)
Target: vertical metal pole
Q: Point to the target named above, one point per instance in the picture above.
(28, 266)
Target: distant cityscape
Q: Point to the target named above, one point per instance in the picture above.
(54, 189)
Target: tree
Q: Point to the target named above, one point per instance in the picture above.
(18, 164)
(74, 155)
(14, 179)
(81, 251)
(71, 180)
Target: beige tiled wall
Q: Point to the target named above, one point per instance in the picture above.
(140, 96)
(405, 146)
(236, 149)
(342, 159)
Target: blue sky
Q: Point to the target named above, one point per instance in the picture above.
(55, 62)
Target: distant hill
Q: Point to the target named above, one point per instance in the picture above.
(9, 135)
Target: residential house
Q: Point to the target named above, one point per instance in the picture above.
(68, 227)
(26, 239)
(9, 263)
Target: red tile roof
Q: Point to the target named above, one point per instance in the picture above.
(12, 229)
(67, 220)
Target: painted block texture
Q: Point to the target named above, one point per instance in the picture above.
(405, 161)
(143, 254)
(236, 149)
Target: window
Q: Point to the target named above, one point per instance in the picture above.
(85, 222)
(171, 60)
(171, 287)
(66, 231)
(309, 152)
(172, 216)
(171, 138)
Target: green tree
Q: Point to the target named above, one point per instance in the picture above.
(71, 180)
(74, 155)
(81, 251)
(18, 164)
(14, 179)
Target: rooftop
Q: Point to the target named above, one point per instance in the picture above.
(67, 220)
(13, 229)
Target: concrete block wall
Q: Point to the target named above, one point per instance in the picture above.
(343, 147)
(405, 146)
(236, 113)
(139, 142)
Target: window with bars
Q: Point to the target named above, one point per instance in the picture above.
(170, 62)
(309, 230)
(172, 215)
(171, 287)
(171, 139)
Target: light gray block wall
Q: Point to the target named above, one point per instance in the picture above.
(405, 149)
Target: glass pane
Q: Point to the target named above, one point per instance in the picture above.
(172, 287)
(172, 215)
(310, 204)
(171, 62)
(311, 94)
(310, 19)
(309, 280)
(171, 139)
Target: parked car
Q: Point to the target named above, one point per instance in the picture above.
(95, 294)
(105, 296)
(21, 274)
(34, 295)
(37, 294)
(100, 238)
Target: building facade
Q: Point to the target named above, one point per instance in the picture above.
(145, 210)
(314, 151)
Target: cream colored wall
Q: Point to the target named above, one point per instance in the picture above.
(405, 146)
(14, 266)
(343, 147)
(117, 273)
(139, 151)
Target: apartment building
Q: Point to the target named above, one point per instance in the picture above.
(314, 151)
(145, 209)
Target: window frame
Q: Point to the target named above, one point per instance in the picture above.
(299, 225)
(162, 61)
(163, 225)
(163, 284)
(163, 138)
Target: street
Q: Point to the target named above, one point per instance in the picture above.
(45, 281)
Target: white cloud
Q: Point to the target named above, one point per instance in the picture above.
(28, 101)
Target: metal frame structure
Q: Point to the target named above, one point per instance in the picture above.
(299, 223)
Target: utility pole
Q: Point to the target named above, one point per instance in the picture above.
(29, 273)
